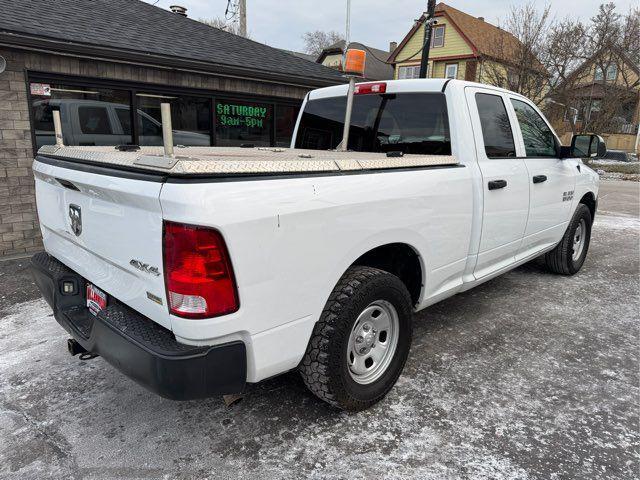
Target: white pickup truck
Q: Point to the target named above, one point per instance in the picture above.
(199, 273)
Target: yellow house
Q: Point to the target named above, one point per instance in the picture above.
(602, 95)
(462, 46)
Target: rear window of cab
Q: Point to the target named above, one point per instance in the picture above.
(414, 123)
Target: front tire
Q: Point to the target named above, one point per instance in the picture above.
(569, 255)
(359, 346)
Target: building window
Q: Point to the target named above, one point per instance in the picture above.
(286, 116)
(409, 72)
(88, 115)
(93, 115)
(239, 123)
(437, 36)
(496, 127)
(612, 71)
(190, 119)
(451, 70)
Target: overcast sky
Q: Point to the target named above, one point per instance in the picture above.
(281, 23)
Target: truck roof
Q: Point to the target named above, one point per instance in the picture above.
(230, 161)
(407, 85)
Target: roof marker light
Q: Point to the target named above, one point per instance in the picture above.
(370, 88)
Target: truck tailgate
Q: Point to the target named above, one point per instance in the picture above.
(119, 247)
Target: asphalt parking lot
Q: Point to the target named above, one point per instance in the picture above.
(530, 376)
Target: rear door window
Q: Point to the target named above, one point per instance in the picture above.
(496, 126)
(409, 122)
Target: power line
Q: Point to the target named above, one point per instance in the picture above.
(236, 11)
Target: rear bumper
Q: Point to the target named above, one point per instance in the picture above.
(137, 346)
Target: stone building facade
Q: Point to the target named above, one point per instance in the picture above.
(107, 66)
(19, 230)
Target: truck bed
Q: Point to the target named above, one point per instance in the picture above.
(223, 161)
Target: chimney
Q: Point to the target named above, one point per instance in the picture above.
(481, 19)
(393, 46)
(178, 9)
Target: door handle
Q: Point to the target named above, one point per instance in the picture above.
(539, 178)
(497, 184)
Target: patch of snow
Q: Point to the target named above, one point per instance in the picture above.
(617, 222)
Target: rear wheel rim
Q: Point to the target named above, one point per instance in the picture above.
(579, 240)
(373, 342)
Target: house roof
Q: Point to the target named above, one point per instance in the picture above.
(306, 56)
(376, 66)
(137, 31)
(610, 53)
(484, 38)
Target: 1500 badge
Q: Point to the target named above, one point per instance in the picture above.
(567, 196)
(144, 267)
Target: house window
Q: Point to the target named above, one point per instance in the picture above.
(437, 36)
(409, 72)
(610, 73)
(599, 74)
(596, 105)
(451, 70)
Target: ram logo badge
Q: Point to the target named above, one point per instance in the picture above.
(75, 215)
(144, 267)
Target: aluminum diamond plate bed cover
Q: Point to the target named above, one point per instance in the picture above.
(188, 161)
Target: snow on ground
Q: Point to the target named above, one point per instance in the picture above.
(530, 376)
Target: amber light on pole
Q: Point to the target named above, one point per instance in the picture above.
(354, 62)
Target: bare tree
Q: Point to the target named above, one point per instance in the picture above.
(222, 24)
(318, 40)
(593, 71)
(517, 56)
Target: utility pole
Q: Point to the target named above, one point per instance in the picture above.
(243, 18)
(347, 32)
(428, 28)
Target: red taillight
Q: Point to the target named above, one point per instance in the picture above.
(368, 88)
(197, 272)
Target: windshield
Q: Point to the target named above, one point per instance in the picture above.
(408, 122)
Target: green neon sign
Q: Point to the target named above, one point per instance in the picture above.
(237, 115)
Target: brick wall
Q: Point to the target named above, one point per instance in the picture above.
(19, 231)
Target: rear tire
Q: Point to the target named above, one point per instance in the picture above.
(359, 346)
(569, 255)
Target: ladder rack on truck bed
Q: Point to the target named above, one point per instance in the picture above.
(230, 161)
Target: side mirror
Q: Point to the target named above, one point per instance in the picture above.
(587, 146)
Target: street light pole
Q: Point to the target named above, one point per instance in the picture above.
(428, 28)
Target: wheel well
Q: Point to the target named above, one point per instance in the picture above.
(590, 201)
(399, 259)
